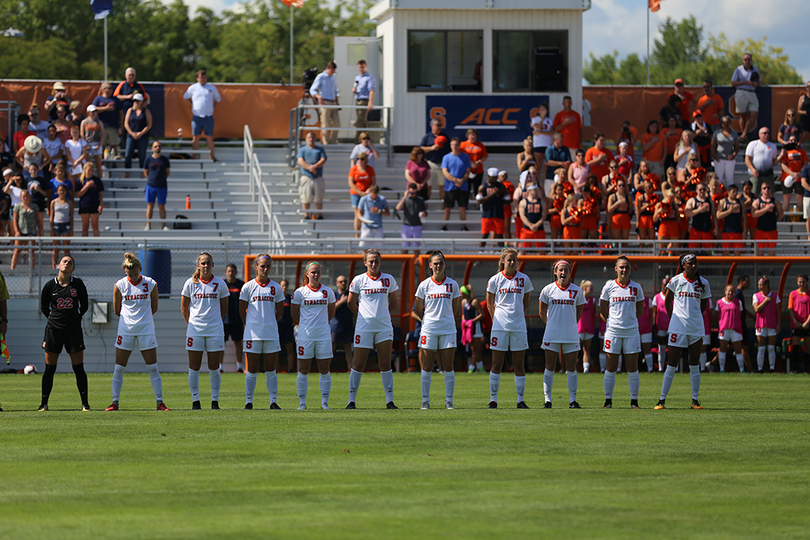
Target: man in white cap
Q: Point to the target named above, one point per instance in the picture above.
(491, 197)
(92, 131)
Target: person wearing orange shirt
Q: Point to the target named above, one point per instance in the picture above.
(598, 156)
(793, 161)
(568, 123)
(478, 154)
(710, 104)
(687, 101)
(652, 148)
(672, 136)
(361, 177)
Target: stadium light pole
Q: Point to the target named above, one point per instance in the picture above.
(648, 46)
(105, 48)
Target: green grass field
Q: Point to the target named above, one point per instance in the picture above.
(739, 469)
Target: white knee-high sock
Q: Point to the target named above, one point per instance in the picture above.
(302, 385)
(194, 384)
(633, 381)
(666, 384)
(610, 383)
(760, 358)
(216, 382)
(426, 377)
(354, 384)
(494, 385)
(648, 359)
(721, 359)
(586, 366)
(662, 357)
(602, 361)
(702, 361)
(548, 383)
(157, 383)
(388, 385)
(449, 385)
(271, 380)
(741, 362)
(694, 376)
(250, 386)
(772, 356)
(520, 387)
(117, 382)
(572, 385)
(325, 382)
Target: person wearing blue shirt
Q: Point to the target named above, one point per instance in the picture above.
(156, 169)
(456, 168)
(111, 113)
(325, 91)
(311, 184)
(372, 207)
(363, 89)
(557, 156)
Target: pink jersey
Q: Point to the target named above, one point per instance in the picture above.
(645, 322)
(800, 304)
(728, 315)
(707, 318)
(587, 323)
(661, 317)
(768, 317)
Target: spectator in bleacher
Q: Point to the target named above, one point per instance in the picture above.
(373, 207)
(625, 161)
(90, 190)
(666, 212)
(111, 114)
(568, 123)
(646, 201)
(39, 127)
(672, 136)
(805, 181)
(687, 100)
(578, 171)
(413, 209)
(32, 153)
(619, 208)
(76, 116)
(55, 149)
(685, 147)
(204, 96)
(793, 161)
(342, 324)
(710, 104)
(572, 225)
(642, 176)
(232, 323)
(557, 156)
(693, 174)
(761, 157)
(653, 148)
(671, 109)
(92, 131)
(542, 130)
(156, 169)
(365, 145)
(62, 124)
(746, 79)
(724, 149)
(611, 178)
(286, 332)
(361, 177)
(790, 126)
(12, 191)
(526, 157)
(128, 89)
(417, 171)
(137, 122)
(628, 134)
(325, 91)
(57, 97)
(803, 111)
(731, 212)
(19, 137)
(768, 214)
(456, 169)
(533, 215)
(363, 90)
(435, 145)
(702, 137)
(491, 198)
(25, 224)
(478, 154)
(598, 157)
(704, 227)
(76, 153)
(311, 159)
(799, 309)
(61, 215)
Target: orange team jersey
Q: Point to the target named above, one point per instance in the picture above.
(711, 113)
(656, 152)
(571, 132)
(362, 179)
(475, 151)
(795, 160)
(684, 104)
(673, 136)
(601, 169)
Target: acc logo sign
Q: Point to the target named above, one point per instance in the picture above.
(482, 118)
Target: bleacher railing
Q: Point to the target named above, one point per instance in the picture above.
(268, 222)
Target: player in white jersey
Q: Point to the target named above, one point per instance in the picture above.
(313, 306)
(688, 295)
(508, 296)
(561, 305)
(373, 298)
(437, 303)
(621, 304)
(261, 304)
(135, 301)
(204, 303)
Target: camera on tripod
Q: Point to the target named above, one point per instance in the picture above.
(308, 77)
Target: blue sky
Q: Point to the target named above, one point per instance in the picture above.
(622, 24)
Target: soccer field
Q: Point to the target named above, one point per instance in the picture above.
(738, 469)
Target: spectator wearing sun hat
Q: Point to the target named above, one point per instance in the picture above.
(57, 97)
(32, 153)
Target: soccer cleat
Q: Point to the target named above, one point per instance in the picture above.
(196, 406)
(86, 407)
(608, 404)
(302, 407)
(248, 406)
(240, 370)
(547, 405)
(274, 406)
(470, 369)
(696, 404)
(162, 407)
(522, 405)
(449, 406)
(390, 405)
(425, 405)
(43, 407)
(113, 407)
(574, 405)
(351, 405)
(634, 404)
(660, 405)
(215, 405)
(325, 407)
(493, 405)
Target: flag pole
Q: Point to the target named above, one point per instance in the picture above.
(291, 44)
(648, 45)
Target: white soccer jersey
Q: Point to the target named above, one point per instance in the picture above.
(205, 316)
(372, 301)
(260, 318)
(622, 320)
(313, 321)
(562, 312)
(136, 307)
(687, 318)
(438, 318)
(509, 313)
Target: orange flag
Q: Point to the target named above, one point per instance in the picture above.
(298, 3)
(655, 5)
